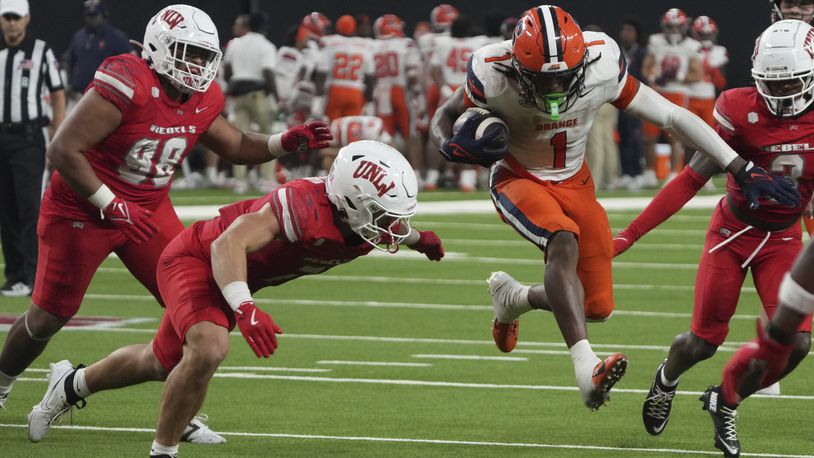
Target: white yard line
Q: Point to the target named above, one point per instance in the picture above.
(400, 305)
(412, 440)
(471, 357)
(334, 362)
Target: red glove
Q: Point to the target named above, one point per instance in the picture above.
(430, 245)
(312, 135)
(622, 242)
(132, 219)
(258, 329)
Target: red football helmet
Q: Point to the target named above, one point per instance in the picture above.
(549, 58)
(441, 17)
(387, 26)
(706, 30)
(674, 24)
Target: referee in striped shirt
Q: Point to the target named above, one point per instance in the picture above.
(29, 76)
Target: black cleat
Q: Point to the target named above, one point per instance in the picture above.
(723, 419)
(657, 405)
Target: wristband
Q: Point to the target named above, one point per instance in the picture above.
(275, 145)
(236, 293)
(102, 197)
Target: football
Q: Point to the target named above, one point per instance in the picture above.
(487, 125)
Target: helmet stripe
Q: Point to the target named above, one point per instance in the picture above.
(550, 34)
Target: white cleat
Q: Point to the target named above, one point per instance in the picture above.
(506, 292)
(53, 404)
(197, 432)
(3, 399)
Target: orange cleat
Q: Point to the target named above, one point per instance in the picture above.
(605, 375)
(505, 335)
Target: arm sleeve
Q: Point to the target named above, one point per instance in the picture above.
(667, 202)
(647, 104)
(474, 91)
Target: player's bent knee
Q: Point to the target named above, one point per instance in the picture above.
(562, 244)
(699, 349)
(42, 325)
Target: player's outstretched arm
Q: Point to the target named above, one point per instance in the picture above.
(667, 202)
(239, 147)
(754, 182)
(246, 234)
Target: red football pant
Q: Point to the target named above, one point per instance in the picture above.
(71, 251)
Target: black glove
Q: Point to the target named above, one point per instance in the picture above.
(756, 182)
(465, 149)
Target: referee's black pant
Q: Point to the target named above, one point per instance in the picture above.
(22, 163)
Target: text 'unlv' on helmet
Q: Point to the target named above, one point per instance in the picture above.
(783, 67)
(388, 26)
(441, 17)
(549, 56)
(375, 190)
(181, 42)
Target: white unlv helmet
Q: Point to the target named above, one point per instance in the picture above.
(173, 37)
(374, 188)
(783, 59)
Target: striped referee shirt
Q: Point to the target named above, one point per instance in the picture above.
(24, 71)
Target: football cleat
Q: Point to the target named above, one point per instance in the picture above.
(723, 420)
(605, 375)
(3, 399)
(197, 432)
(53, 404)
(504, 292)
(657, 405)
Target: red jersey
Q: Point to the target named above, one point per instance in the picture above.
(784, 146)
(137, 161)
(309, 241)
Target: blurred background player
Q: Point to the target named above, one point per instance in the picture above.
(628, 126)
(672, 62)
(398, 67)
(248, 66)
(765, 240)
(345, 71)
(713, 59)
(209, 273)
(802, 10)
(441, 18)
(349, 129)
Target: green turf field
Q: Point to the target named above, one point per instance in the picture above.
(392, 356)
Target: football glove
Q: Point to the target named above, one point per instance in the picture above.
(311, 135)
(465, 149)
(756, 182)
(132, 219)
(622, 242)
(257, 327)
(430, 245)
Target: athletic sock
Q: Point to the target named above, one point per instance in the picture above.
(6, 382)
(664, 381)
(163, 450)
(585, 360)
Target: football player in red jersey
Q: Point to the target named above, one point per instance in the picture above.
(115, 157)
(771, 125)
(208, 273)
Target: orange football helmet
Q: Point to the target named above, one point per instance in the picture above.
(706, 30)
(674, 25)
(441, 17)
(549, 59)
(387, 26)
